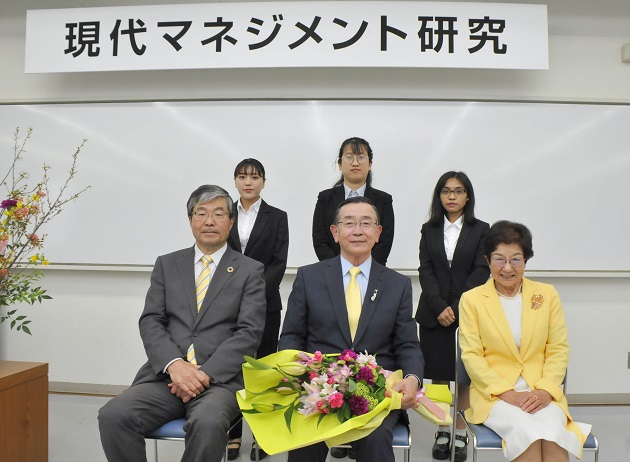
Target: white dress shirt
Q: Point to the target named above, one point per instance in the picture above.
(359, 192)
(246, 220)
(451, 236)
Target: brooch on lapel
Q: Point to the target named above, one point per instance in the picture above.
(373, 297)
(537, 301)
(230, 269)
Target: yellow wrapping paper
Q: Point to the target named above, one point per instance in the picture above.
(270, 429)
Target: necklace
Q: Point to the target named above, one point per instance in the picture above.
(507, 297)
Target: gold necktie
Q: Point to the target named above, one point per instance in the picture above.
(353, 301)
(203, 281)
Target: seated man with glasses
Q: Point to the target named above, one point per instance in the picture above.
(205, 310)
(352, 302)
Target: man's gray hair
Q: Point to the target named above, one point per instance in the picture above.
(207, 193)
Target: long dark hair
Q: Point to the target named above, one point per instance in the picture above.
(355, 143)
(437, 211)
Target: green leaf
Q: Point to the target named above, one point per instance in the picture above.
(11, 313)
(26, 329)
(19, 318)
(321, 417)
(346, 413)
(288, 415)
(256, 364)
(352, 386)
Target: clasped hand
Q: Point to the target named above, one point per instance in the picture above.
(188, 380)
(446, 317)
(528, 401)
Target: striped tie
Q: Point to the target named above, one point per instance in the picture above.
(353, 301)
(203, 281)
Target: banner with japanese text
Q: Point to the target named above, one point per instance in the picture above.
(288, 34)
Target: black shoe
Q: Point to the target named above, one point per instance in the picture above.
(442, 451)
(235, 448)
(461, 452)
(261, 454)
(338, 453)
(352, 454)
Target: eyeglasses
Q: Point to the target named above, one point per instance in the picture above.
(500, 262)
(350, 224)
(361, 158)
(202, 215)
(456, 191)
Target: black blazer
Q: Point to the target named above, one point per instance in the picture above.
(327, 202)
(317, 317)
(269, 244)
(442, 285)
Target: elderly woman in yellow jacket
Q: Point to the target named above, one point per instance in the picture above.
(514, 346)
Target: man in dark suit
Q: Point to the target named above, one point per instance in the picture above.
(318, 319)
(195, 335)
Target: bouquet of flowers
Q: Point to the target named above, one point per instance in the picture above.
(25, 209)
(349, 393)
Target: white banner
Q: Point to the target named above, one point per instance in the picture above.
(288, 34)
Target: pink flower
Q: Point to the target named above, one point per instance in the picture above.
(3, 246)
(305, 358)
(348, 355)
(41, 193)
(21, 213)
(4, 272)
(312, 375)
(33, 238)
(317, 356)
(336, 400)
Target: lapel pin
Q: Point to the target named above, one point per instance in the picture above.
(230, 269)
(374, 295)
(537, 301)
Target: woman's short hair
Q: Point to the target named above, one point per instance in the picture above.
(508, 232)
(355, 144)
(250, 166)
(436, 213)
(207, 193)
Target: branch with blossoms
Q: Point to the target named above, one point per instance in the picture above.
(22, 214)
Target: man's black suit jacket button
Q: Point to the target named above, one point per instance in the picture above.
(194, 334)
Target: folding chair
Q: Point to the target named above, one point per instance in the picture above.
(484, 439)
(174, 431)
(402, 439)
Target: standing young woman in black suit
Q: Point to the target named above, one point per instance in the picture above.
(451, 262)
(261, 232)
(355, 164)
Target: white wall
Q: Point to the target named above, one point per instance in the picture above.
(88, 332)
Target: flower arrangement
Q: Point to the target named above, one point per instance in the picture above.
(348, 393)
(23, 212)
(348, 384)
